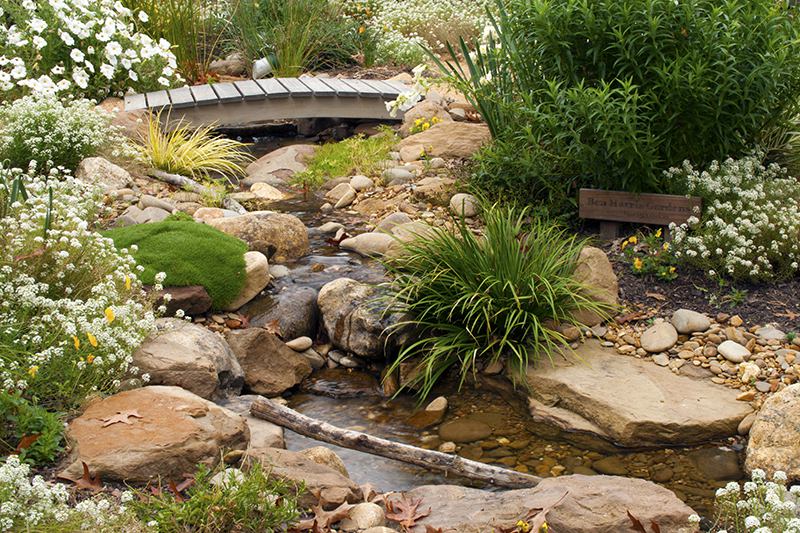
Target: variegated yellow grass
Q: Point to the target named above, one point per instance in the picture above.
(193, 152)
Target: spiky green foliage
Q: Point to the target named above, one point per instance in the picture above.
(477, 299)
(189, 253)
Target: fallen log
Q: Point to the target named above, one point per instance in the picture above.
(177, 180)
(355, 440)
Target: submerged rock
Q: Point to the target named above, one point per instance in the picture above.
(294, 310)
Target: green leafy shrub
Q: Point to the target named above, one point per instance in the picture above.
(28, 430)
(72, 308)
(650, 254)
(297, 36)
(477, 299)
(750, 222)
(246, 501)
(608, 93)
(54, 134)
(188, 253)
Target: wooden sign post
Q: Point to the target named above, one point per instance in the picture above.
(613, 207)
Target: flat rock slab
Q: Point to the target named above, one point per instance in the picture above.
(593, 504)
(631, 402)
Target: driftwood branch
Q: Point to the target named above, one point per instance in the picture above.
(450, 464)
(176, 180)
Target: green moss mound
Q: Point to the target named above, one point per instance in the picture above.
(189, 253)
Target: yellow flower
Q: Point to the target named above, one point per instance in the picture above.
(110, 316)
(90, 359)
(426, 126)
(544, 528)
(633, 239)
(672, 270)
(361, 29)
(435, 120)
(658, 233)
(665, 246)
(523, 526)
(77, 342)
(418, 122)
(92, 339)
(33, 370)
(625, 243)
(127, 283)
(637, 264)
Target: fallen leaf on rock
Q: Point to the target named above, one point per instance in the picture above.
(431, 529)
(87, 482)
(274, 327)
(405, 511)
(121, 417)
(322, 520)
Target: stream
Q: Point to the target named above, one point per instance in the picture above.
(353, 399)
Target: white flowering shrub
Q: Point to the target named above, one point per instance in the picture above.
(72, 309)
(750, 225)
(53, 133)
(757, 506)
(404, 27)
(32, 504)
(86, 48)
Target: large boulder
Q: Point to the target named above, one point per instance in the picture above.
(425, 110)
(775, 435)
(263, 434)
(453, 140)
(276, 235)
(595, 271)
(355, 319)
(590, 504)
(270, 367)
(186, 355)
(152, 432)
(278, 166)
(630, 402)
(373, 244)
(257, 277)
(294, 310)
(102, 172)
(324, 485)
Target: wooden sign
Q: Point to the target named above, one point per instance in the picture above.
(645, 208)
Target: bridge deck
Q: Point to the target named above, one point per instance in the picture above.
(246, 102)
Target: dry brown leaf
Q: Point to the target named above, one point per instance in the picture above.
(791, 315)
(636, 525)
(405, 511)
(26, 442)
(322, 520)
(274, 327)
(121, 417)
(540, 518)
(431, 529)
(656, 296)
(87, 482)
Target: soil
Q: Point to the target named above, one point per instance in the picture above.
(774, 303)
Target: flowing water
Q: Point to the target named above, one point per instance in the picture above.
(352, 399)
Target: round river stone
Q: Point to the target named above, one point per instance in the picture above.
(464, 430)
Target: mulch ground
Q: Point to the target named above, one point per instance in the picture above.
(777, 303)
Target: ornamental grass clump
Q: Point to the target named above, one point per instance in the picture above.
(476, 299)
(749, 229)
(72, 308)
(192, 152)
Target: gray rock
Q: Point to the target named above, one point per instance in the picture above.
(464, 204)
(361, 183)
(151, 201)
(373, 244)
(659, 337)
(347, 198)
(326, 208)
(389, 222)
(769, 333)
(437, 162)
(363, 516)
(661, 359)
(153, 214)
(300, 344)
(263, 434)
(104, 173)
(314, 359)
(397, 176)
(233, 65)
(279, 271)
(339, 192)
(774, 442)
(687, 321)
(354, 317)
(588, 504)
(294, 308)
(330, 227)
(257, 277)
(657, 408)
(186, 355)
(733, 351)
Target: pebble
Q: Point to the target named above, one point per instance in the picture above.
(363, 516)
(687, 321)
(611, 466)
(447, 447)
(659, 337)
(735, 321)
(762, 386)
(733, 351)
(300, 344)
(661, 359)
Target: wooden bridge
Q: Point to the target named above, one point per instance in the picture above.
(248, 102)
